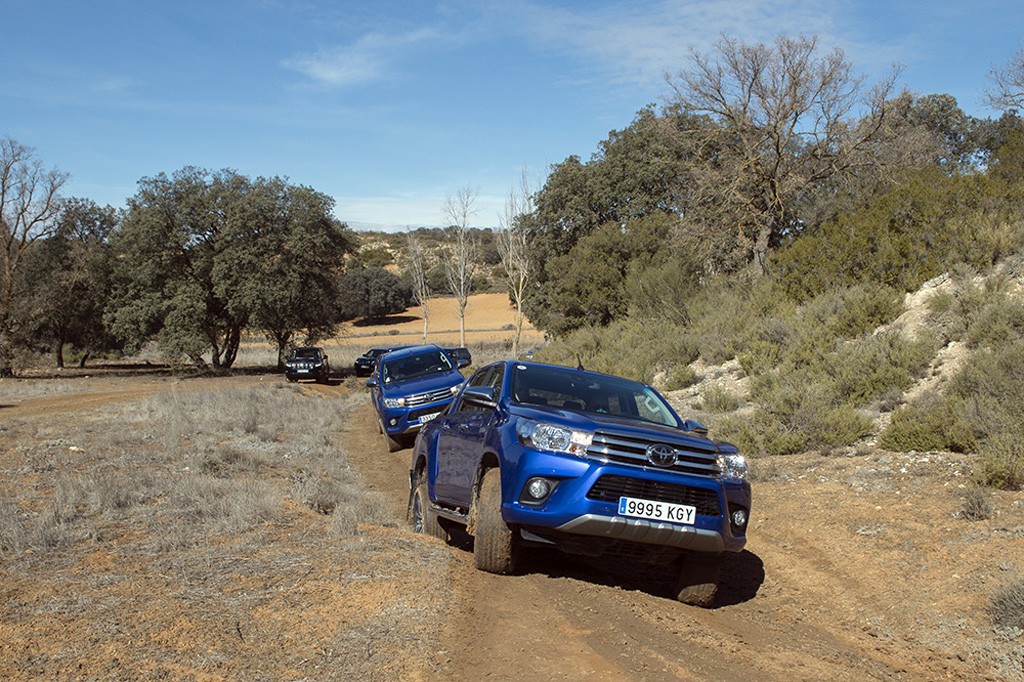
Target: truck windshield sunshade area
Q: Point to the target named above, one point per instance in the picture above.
(413, 366)
(575, 390)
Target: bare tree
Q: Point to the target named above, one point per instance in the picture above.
(1007, 89)
(461, 263)
(418, 269)
(29, 203)
(512, 246)
(781, 125)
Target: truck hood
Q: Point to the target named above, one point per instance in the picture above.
(687, 440)
(423, 384)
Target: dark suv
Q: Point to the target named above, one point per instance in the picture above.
(366, 362)
(538, 455)
(461, 356)
(309, 362)
(410, 387)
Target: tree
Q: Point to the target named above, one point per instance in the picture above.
(67, 275)
(592, 287)
(283, 257)
(201, 256)
(418, 274)
(461, 261)
(29, 202)
(643, 170)
(782, 126)
(372, 293)
(1007, 88)
(513, 247)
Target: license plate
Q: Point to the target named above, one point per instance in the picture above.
(427, 417)
(657, 511)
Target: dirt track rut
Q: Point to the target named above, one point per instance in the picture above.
(792, 608)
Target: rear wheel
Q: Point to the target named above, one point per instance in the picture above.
(421, 515)
(495, 545)
(697, 584)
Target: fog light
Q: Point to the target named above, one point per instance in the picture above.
(537, 490)
(393, 422)
(739, 518)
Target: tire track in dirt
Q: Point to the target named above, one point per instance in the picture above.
(784, 615)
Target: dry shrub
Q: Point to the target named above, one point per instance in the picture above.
(1007, 606)
(976, 505)
(371, 509)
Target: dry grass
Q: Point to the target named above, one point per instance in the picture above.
(208, 534)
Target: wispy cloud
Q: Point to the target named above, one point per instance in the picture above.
(367, 59)
(644, 41)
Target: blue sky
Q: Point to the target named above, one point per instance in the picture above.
(391, 106)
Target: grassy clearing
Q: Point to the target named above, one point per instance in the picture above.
(207, 532)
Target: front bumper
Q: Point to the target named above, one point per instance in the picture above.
(401, 421)
(582, 506)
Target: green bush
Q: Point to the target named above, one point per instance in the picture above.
(933, 424)
(679, 377)
(717, 398)
(632, 348)
(1002, 462)
(871, 367)
(798, 411)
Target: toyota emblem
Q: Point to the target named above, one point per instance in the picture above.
(661, 455)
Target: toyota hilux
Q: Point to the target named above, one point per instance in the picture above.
(529, 454)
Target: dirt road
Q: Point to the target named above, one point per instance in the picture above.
(857, 569)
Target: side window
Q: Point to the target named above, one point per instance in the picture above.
(483, 377)
(495, 378)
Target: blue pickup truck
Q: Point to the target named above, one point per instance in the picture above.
(409, 387)
(530, 454)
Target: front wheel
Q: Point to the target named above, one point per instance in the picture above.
(697, 584)
(495, 545)
(393, 444)
(421, 515)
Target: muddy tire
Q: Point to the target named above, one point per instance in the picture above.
(421, 516)
(495, 545)
(697, 584)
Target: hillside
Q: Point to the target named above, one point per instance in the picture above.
(156, 527)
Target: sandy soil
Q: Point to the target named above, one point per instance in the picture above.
(859, 567)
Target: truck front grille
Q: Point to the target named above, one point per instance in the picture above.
(614, 447)
(431, 397)
(610, 487)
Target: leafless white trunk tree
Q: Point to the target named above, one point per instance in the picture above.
(29, 203)
(461, 263)
(418, 269)
(512, 246)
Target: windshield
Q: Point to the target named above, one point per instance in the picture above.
(575, 390)
(305, 353)
(412, 366)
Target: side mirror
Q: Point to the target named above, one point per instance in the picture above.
(462, 362)
(372, 383)
(481, 396)
(695, 426)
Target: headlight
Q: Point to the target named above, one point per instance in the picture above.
(552, 437)
(732, 465)
(394, 402)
